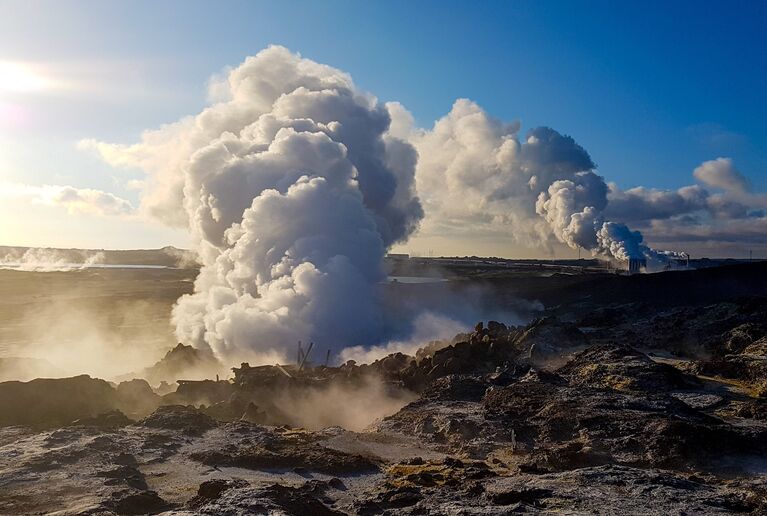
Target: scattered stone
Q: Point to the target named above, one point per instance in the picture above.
(106, 420)
(178, 417)
(137, 502)
(212, 490)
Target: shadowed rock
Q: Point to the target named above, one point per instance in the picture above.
(179, 417)
(50, 403)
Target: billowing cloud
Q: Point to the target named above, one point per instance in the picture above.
(721, 173)
(293, 190)
(641, 203)
(722, 215)
(476, 174)
(74, 200)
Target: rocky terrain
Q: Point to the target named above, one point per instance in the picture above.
(614, 405)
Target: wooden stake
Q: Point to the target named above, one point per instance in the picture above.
(306, 355)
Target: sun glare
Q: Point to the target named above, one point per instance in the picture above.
(20, 78)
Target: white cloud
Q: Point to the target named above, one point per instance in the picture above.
(721, 173)
(74, 200)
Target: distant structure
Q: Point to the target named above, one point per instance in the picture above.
(636, 265)
(398, 256)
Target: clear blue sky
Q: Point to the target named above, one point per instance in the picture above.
(650, 89)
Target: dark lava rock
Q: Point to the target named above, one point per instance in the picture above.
(388, 499)
(179, 417)
(213, 489)
(57, 458)
(694, 331)
(137, 397)
(532, 496)
(749, 370)
(51, 403)
(456, 387)
(177, 363)
(208, 392)
(546, 340)
(599, 426)
(126, 474)
(125, 459)
(296, 501)
(624, 369)
(271, 450)
(107, 420)
(563, 457)
(741, 336)
(486, 350)
(238, 407)
(273, 499)
(742, 357)
(137, 502)
(311, 458)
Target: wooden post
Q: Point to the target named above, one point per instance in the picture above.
(282, 370)
(306, 355)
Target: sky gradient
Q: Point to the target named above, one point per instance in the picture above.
(651, 91)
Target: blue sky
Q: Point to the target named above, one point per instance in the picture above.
(650, 89)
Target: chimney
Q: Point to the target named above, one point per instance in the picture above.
(636, 265)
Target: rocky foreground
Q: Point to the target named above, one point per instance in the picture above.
(619, 409)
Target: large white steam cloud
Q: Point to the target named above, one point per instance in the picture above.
(293, 190)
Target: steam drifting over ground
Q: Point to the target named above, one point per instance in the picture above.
(48, 260)
(294, 184)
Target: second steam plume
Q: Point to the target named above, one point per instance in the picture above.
(294, 183)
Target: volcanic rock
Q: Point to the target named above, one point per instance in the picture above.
(547, 340)
(181, 362)
(107, 420)
(212, 490)
(178, 417)
(50, 403)
(271, 450)
(624, 369)
(610, 426)
(137, 398)
(132, 502)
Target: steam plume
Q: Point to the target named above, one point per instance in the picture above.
(476, 169)
(293, 190)
(49, 260)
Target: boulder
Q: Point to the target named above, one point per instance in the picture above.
(179, 417)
